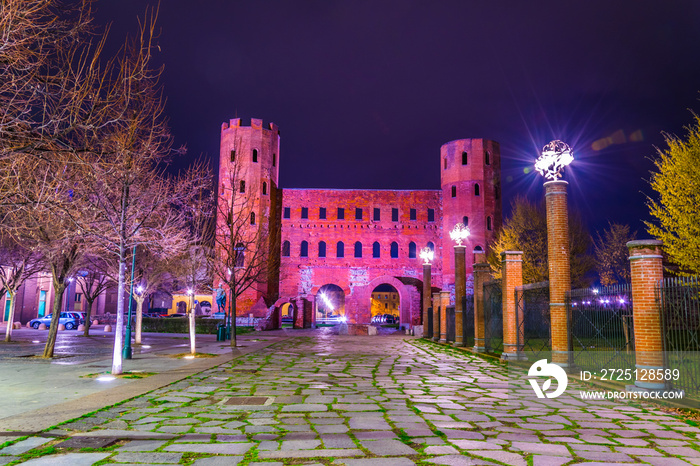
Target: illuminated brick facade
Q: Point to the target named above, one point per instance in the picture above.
(360, 239)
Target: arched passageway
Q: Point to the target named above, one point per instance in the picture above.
(385, 305)
(330, 304)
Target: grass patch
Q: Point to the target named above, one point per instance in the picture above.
(124, 375)
(196, 355)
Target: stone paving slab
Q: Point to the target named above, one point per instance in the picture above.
(399, 401)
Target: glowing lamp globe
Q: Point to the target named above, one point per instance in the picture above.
(460, 233)
(427, 255)
(555, 156)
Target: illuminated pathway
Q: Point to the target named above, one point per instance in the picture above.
(322, 399)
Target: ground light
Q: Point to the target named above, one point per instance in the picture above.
(105, 378)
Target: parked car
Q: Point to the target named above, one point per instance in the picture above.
(80, 316)
(66, 318)
(177, 314)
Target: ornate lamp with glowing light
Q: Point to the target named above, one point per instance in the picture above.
(459, 233)
(554, 158)
(427, 255)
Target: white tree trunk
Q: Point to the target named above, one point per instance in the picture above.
(11, 317)
(119, 328)
(193, 351)
(139, 320)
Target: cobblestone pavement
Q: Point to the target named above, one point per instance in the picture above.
(362, 401)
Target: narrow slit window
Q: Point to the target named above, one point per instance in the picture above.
(286, 246)
(255, 155)
(465, 158)
(264, 188)
(454, 191)
(477, 190)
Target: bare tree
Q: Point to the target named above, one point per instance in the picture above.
(152, 273)
(93, 281)
(18, 262)
(242, 242)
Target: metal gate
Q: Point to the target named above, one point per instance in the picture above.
(468, 320)
(532, 319)
(601, 330)
(450, 321)
(493, 317)
(429, 330)
(680, 315)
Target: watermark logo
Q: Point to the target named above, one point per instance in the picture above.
(542, 368)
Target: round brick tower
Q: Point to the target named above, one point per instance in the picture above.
(248, 174)
(470, 180)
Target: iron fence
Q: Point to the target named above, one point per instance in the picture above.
(680, 316)
(450, 323)
(601, 330)
(532, 319)
(493, 317)
(468, 320)
(429, 329)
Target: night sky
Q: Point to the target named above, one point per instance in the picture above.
(366, 92)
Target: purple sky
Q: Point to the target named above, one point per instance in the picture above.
(366, 92)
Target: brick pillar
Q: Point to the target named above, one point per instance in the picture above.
(460, 292)
(511, 277)
(559, 271)
(482, 273)
(427, 288)
(647, 271)
(436, 316)
(444, 302)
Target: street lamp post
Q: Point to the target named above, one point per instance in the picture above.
(555, 156)
(127, 352)
(460, 233)
(427, 255)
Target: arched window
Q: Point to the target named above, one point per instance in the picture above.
(274, 160)
(264, 188)
(239, 255)
(242, 186)
(488, 223)
(255, 155)
(340, 249)
(465, 221)
(322, 249)
(487, 158)
(358, 249)
(454, 191)
(479, 248)
(411, 250)
(375, 249)
(465, 158)
(252, 218)
(431, 245)
(394, 253)
(285, 249)
(304, 249)
(476, 189)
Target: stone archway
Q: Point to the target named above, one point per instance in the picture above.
(405, 297)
